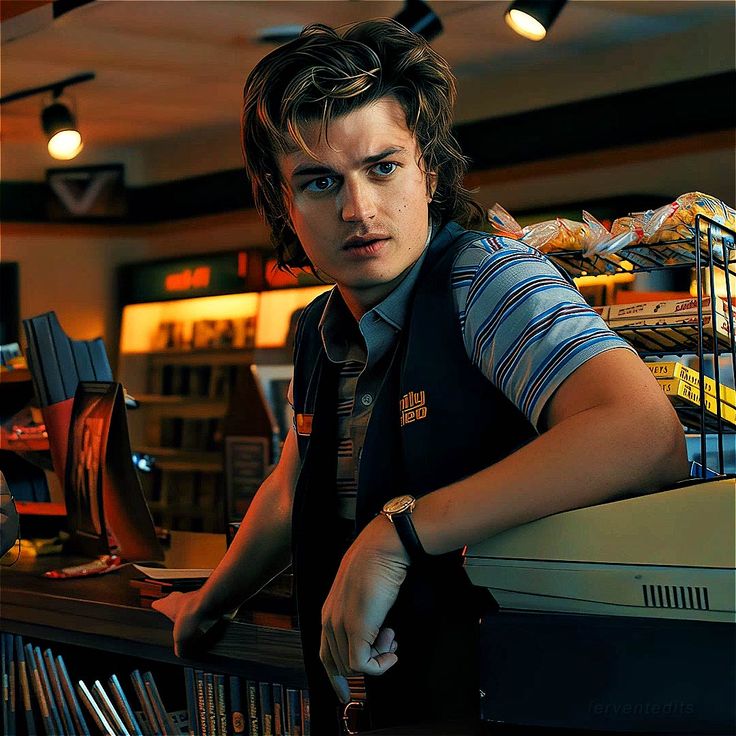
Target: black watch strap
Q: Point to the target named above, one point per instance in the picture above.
(408, 536)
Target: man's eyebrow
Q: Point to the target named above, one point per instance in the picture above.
(380, 156)
(316, 170)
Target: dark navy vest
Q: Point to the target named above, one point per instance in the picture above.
(436, 420)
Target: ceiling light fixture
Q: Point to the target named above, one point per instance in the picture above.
(418, 17)
(533, 18)
(57, 120)
(60, 126)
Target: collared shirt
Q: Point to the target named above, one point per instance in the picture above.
(523, 324)
(361, 351)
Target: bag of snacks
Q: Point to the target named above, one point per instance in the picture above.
(550, 235)
(674, 225)
(678, 222)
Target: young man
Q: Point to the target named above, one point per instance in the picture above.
(461, 370)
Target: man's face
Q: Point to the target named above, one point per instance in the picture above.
(360, 207)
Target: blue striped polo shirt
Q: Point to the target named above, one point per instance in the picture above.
(523, 325)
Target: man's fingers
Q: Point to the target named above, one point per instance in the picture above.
(169, 605)
(384, 662)
(384, 641)
(329, 637)
(339, 683)
(365, 660)
(340, 686)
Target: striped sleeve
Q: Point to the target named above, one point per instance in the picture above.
(524, 325)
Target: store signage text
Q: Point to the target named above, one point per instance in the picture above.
(189, 278)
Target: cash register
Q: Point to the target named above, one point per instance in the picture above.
(616, 617)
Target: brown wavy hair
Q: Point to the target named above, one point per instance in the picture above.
(326, 73)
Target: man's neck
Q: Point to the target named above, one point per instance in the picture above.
(359, 301)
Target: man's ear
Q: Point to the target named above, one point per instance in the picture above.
(431, 184)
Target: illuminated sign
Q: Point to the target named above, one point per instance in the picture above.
(189, 278)
(234, 272)
(212, 274)
(278, 279)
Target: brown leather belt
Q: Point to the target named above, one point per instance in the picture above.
(355, 716)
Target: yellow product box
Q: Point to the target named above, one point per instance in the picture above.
(663, 370)
(683, 394)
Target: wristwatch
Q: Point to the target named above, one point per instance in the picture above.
(398, 511)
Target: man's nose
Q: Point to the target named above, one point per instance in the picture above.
(358, 203)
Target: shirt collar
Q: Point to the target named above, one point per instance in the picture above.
(343, 339)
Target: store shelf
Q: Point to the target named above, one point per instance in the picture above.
(649, 257)
(671, 339)
(11, 441)
(219, 356)
(17, 375)
(189, 407)
(702, 334)
(104, 614)
(692, 420)
(180, 460)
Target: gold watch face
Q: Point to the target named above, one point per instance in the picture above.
(399, 504)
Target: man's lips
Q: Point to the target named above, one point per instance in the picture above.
(365, 242)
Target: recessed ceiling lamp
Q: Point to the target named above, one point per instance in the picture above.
(533, 18)
(57, 120)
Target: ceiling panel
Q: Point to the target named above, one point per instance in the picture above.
(167, 67)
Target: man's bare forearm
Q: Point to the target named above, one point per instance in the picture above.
(611, 431)
(565, 468)
(262, 547)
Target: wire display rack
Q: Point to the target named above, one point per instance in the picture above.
(711, 333)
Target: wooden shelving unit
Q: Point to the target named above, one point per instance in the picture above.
(180, 422)
(100, 626)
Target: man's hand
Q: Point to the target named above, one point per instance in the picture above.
(191, 624)
(354, 640)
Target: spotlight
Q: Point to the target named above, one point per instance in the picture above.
(533, 18)
(64, 140)
(417, 16)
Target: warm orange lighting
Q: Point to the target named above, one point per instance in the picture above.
(525, 25)
(276, 309)
(242, 264)
(189, 278)
(719, 279)
(603, 279)
(65, 145)
(141, 322)
(278, 279)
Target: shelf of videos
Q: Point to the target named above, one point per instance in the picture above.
(42, 695)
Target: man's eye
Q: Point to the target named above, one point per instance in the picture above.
(385, 168)
(319, 185)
